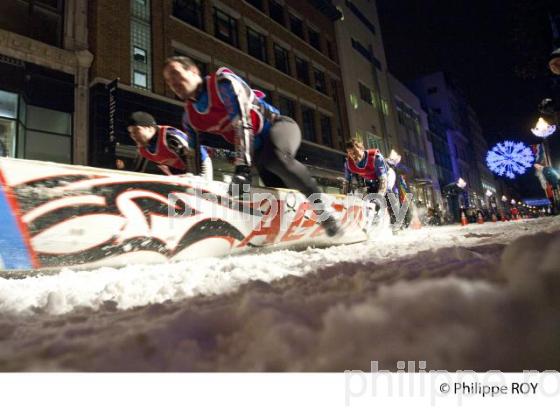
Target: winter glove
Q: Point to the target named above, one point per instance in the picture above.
(241, 177)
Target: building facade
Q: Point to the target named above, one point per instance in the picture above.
(44, 53)
(285, 48)
(415, 147)
(365, 74)
(465, 140)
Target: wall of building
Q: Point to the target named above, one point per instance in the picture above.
(44, 53)
(119, 26)
(365, 74)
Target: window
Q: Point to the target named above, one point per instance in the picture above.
(353, 101)
(365, 93)
(8, 104)
(360, 16)
(385, 107)
(140, 79)
(225, 27)
(256, 45)
(373, 141)
(287, 106)
(302, 70)
(281, 59)
(314, 39)
(432, 90)
(268, 94)
(320, 82)
(257, 4)
(49, 135)
(296, 26)
(330, 49)
(139, 55)
(39, 20)
(141, 43)
(308, 117)
(7, 137)
(326, 130)
(277, 12)
(190, 11)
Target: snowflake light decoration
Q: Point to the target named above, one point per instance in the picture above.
(509, 158)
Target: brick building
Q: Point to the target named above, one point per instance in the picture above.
(44, 53)
(285, 48)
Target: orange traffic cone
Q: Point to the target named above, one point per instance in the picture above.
(480, 219)
(464, 220)
(494, 219)
(415, 222)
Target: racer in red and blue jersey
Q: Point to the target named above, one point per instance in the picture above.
(171, 149)
(223, 104)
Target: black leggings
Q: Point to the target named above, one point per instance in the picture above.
(276, 161)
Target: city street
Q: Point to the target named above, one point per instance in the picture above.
(453, 296)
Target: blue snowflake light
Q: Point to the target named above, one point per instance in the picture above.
(509, 158)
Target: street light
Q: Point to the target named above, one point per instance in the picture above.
(504, 198)
(543, 129)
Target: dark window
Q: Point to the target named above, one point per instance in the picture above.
(330, 50)
(256, 45)
(338, 116)
(277, 12)
(360, 16)
(202, 66)
(314, 39)
(189, 11)
(225, 27)
(365, 93)
(256, 3)
(268, 94)
(287, 106)
(296, 26)
(302, 70)
(326, 130)
(432, 90)
(140, 55)
(320, 82)
(281, 59)
(308, 117)
(39, 20)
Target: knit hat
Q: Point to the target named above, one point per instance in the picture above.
(142, 119)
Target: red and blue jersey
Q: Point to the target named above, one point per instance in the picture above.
(370, 167)
(166, 148)
(226, 98)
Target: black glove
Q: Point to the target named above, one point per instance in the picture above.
(241, 177)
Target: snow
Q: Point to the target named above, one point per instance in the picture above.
(477, 297)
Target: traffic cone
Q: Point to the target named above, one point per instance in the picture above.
(415, 222)
(494, 219)
(464, 220)
(480, 219)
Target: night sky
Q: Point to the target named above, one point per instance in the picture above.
(497, 50)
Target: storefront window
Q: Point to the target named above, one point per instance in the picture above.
(31, 132)
(8, 116)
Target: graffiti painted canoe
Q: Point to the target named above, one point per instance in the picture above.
(56, 215)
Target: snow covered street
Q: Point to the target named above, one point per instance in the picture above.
(477, 297)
